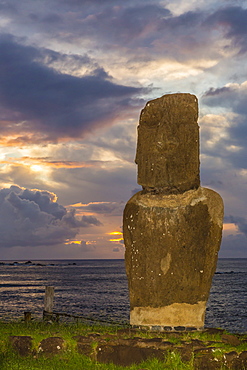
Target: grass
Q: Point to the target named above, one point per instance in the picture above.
(79, 362)
(71, 360)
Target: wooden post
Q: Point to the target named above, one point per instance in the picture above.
(27, 316)
(48, 303)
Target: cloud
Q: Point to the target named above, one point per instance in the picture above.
(131, 31)
(46, 161)
(131, 23)
(107, 184)
(71, 20)
(233, 246)
(105, 208)
(151, 29)
(34, 218)
(212, 92)
(86, 247)
(232, 98)
(240, 222)
(136, 190)
(51, 105)
(232, 21)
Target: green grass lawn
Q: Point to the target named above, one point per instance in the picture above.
(70, 359)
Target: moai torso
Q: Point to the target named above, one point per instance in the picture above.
(172, 229)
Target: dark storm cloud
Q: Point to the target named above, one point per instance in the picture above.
(218, 91)
(124, 26)
(132, 22)
(141, 31)
(52, 104)
(186, 20)
(112, 24)
(33, 218)
(85, 221)
(112, 21)
(7, 8)
(81, 3)
(139, 25)
(233, 22)
(232, 96)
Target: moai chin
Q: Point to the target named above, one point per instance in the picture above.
(172, 228)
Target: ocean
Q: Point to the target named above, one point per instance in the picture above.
(98, 289)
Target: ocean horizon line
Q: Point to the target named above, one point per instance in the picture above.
(93, 259)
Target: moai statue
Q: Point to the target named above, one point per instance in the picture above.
(173, 227)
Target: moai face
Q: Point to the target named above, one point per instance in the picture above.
(168, 144)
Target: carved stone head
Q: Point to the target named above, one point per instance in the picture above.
(168, 144)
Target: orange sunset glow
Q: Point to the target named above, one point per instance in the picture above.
(116, 233)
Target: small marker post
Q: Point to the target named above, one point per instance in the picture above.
(48, 303)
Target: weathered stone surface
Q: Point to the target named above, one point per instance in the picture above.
(230, 358)
(185, 352)
(126, 355)
(21, 344)
(51, 346)
(172, 243)
(83, 339)
(207, 362)
(84, 349)
(172, 229)
(131, 350)
(240, 363)
(230, 339)
(213, 331)
(168, 144)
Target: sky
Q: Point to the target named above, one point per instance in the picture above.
(74, 76)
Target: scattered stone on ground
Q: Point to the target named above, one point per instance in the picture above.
(21, 344)
(51, 346)
(230, 339)
(127, 347)
(126, 355)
